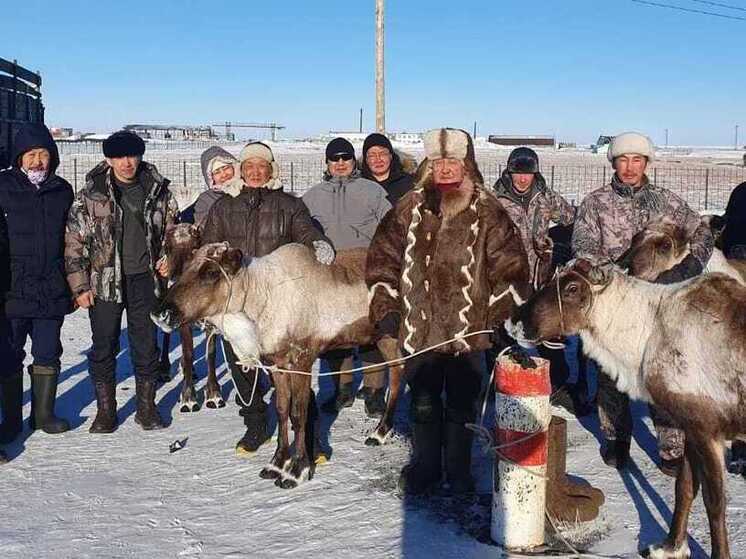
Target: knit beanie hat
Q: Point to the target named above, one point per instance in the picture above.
(376, 139)
(123, 144)
(339, 146)
(631, 142)
(262, 151)
(219, 162)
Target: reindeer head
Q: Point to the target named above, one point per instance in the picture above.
(655, 249)
(180, 243)
(561, 307)
(202, 288)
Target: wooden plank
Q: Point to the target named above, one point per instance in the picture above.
(8, 67)
(7, 82)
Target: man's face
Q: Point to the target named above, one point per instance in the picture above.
(448, 171)
(378, 159)
(630, 167)
(221, 175)
(341, 165)
(37, 159)
(125, 168)
(522, 181)
(256, 172)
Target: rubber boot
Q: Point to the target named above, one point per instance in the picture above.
(375, 402)
(255, 419)
(146, 415)
(3, 457)
(11, 402)
(458, 443)
(615, 453)
(106, 415)
(43, 394)
(343, 398)
(424, 469)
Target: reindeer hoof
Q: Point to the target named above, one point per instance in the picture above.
(665, 551)
(188, 407)
(286, 483)
(377, 439)
(270, 472)
(215, 403)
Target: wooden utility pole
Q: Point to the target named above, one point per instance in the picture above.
(380, 87)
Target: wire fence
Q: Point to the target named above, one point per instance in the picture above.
(703, 188)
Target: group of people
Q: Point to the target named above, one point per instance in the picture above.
(447, 256)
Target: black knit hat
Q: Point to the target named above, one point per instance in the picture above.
(337, 146)
(523, 160)
(376, 139)
(123, 144)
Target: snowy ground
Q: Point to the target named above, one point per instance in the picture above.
(124, 495)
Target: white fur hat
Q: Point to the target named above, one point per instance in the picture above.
(219, 162)
(446, 143)
(262, 151)
(631, 142)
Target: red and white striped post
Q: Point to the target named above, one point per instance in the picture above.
(523, 414)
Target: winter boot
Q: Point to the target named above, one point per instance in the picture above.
(255, 419)
(458, 442)
(106, 415)
(43, 394)
(11, 402)
(343, 398)
(375, 402)
(737, 462)
(3, 457)
(364, 393)
(146, 415)
(424, 469)
(615, 453)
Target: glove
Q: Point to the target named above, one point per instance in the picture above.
(687, 268)
(324, 252)
(521, 356)
(388, 326)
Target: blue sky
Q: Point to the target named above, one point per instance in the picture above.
(574, 68)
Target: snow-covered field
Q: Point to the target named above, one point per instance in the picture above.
(125, 495)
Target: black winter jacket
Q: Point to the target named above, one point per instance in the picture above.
(398, 183)
(734, 235)
(36, 232)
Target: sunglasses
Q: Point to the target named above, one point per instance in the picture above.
(340, 157)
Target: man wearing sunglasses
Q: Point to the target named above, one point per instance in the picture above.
(348, 209)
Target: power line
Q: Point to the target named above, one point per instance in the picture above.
(689, 10)
(719, 5)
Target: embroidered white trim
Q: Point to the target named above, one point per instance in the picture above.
(517, 299)
(393, 293)
(466, 270)
(408, 264)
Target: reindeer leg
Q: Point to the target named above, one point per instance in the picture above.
(687, 486)
(281, 459)
(213, 396)
(390, 351)
(188, 398)
(164, 364)
(301, 466)
(713, 493)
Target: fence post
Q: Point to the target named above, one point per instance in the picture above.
(183, 167)
(604, 181)
(292, 177)
(552, 177)
(707, 186)
(655, 176)
(75, 174)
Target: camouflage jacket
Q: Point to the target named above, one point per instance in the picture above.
(93, 237)
(533, 214)
(609, 217)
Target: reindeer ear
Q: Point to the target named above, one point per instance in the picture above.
(582, 266)
(194, 231)
(600, 275)
(232, 260)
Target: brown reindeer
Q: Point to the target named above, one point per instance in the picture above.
(179, 245)
(680, 346)
(285, 309)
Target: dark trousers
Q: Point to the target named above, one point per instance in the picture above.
(344, 359)
(460, 377)
(251, 386)
(106, 327)
(46, 348)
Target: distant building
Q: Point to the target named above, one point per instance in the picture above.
(61, 133)
(510, 140)
(407, 137)
(171, 132)
(353, 137)
(20, 102)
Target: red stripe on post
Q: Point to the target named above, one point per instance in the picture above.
(513, 380)
(529, 452)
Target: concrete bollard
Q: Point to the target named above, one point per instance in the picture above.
(519, 497)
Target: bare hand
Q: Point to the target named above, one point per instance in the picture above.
(162, 267)
(85, 299)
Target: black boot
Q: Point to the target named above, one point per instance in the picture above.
(375, 402)
(255, 419)
(106, 415)
(146, 415)
(458, 442)
(43, 394)
(11, 402)
(343, 398)
(615, 454)
(424, 469)
(3, 457)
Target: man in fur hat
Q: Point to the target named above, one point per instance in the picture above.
(445, 262)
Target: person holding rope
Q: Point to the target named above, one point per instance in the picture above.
(257, 221)
(445, 262)
(607, 220)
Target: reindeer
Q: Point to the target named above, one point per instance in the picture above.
(283, 309)
(180, 243)
(680, 346)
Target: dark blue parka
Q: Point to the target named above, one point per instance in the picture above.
(36, 232)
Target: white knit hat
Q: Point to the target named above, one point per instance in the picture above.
(631, 142)
(445, 143)
(218, 162)
(262, 151)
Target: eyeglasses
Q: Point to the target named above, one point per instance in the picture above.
(340, 157)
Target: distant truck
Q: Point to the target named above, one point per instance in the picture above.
(20, 102)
